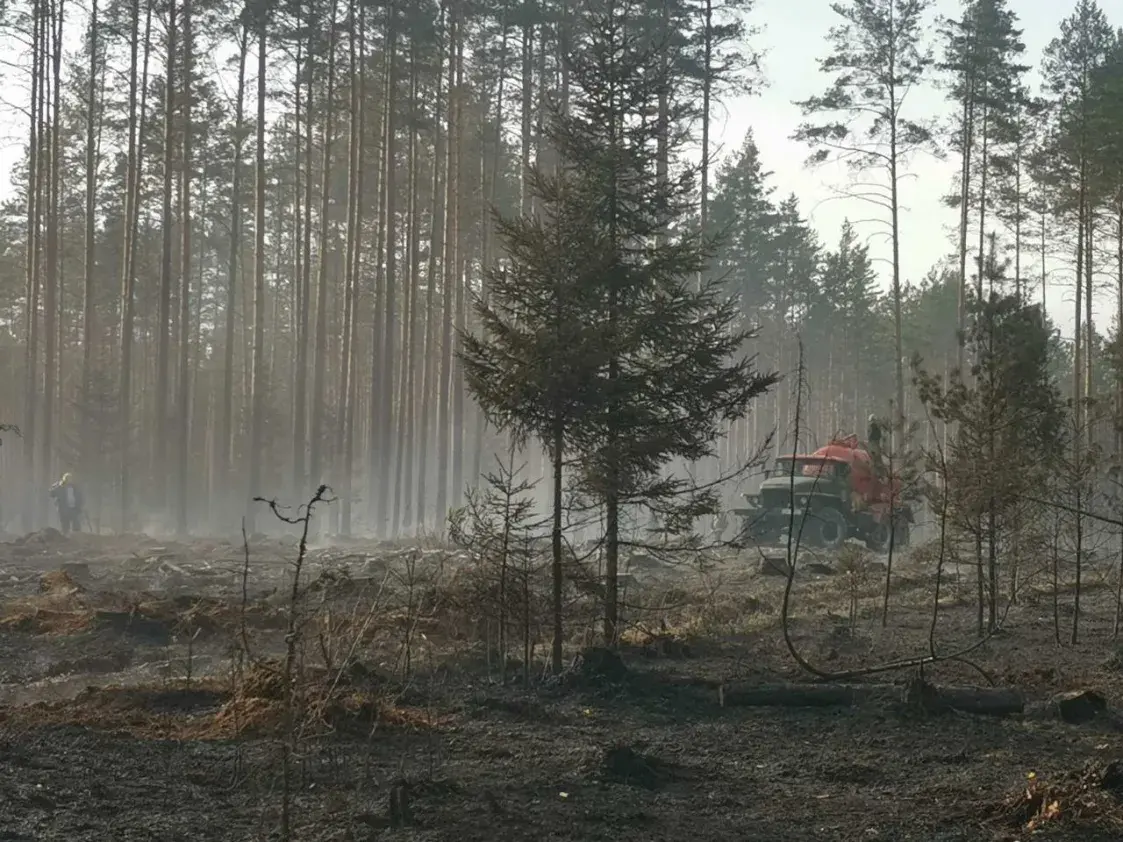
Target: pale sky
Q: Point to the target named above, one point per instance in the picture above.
(793, 37)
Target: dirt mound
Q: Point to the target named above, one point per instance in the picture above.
(1089, 798)
(598, 665)
(623, 764)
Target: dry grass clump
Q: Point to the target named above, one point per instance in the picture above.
(1091, 798)
(354, 699)
(63, 607)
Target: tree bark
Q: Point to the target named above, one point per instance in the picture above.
(385, 419)
(89, 305)
(184, 402)
(260, 382)
(320, 349)
(449, 280)
(346, 355)
(137, 124)
(436, 246)
(53, 322)
(300, 400)
(224, 449)
(163, 328)
(407, 403)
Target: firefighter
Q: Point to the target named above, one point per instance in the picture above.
(68, 498)
(876, 429)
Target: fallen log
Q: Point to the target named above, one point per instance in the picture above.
(977, 700)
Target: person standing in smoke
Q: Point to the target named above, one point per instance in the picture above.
(68, 498)
(874, 436)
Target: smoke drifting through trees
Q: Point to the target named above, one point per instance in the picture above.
(244, 240)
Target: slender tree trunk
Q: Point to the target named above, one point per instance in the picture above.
(53, 298)
(1078, 333)
(390, 327)
(1090, 391)
(980, 290)
(224, 449)
(1119, 322)
(557, 452)
(707, 94)
(184, 401)
(320, 349)
(967, 140)
(894, 210)
(436, 245)
(378, 388)
(89, 306)
(407, 403)
(34, 195)
(444, 396)
(349, 390)
(260, 376)
(460, 256)
(137, 124)
(131, 180)
(163, 327)
(300, 408)
(344, 491)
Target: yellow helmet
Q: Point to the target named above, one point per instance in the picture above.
(65, 479)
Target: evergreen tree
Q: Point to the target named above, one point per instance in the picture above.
(1072, 61)
(604, 343)
(878, 54)
(980, 53)
(533, 364)
(744, 218)
(1008, 419)
(843, 320)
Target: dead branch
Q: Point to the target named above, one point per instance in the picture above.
(985, 701)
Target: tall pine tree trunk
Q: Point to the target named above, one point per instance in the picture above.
(300, 400)
(390, 326)
(163, 327)
(449, 280)
(344, 490)
(224, 449)
(260, 381)
(89, 307)
(320, 346)
(53, 299)
(184, 402)
(460, 256)
(33, 502)
(407, 403)
(137, 125)
(436, 245)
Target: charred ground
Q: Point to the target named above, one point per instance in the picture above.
(132, 710)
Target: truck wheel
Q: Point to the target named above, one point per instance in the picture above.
(828, 528)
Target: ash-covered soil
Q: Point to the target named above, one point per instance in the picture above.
(130, 709)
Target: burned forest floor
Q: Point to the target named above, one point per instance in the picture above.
(149, 691)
